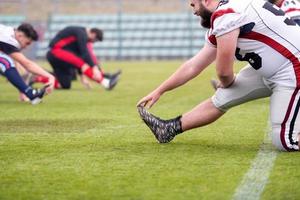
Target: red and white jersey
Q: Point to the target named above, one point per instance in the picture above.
(291, 8)
(268, 40)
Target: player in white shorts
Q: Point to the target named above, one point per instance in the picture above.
(250, 30)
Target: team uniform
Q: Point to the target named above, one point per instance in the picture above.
(269, 41)
(9, 45)
(69, 51)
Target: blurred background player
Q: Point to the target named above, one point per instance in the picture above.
(290, 7)
(71, 50)
(12, 41)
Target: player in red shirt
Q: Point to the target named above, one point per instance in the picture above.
(72, 50)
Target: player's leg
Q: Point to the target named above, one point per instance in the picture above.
(63, 71)
(248, 86)
(64, 77)
(74, 74)
(68, 57)
(285, 118)
(74, 60)
(42, 79)
(203, 114)
(9, 70)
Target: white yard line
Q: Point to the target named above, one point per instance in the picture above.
(255, 180)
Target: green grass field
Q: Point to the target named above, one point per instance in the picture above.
(91, 144)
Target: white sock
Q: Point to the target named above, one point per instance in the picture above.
(105, 82)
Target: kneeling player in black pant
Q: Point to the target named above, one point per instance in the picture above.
(71, 50)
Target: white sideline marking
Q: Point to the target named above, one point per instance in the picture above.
(255, 180)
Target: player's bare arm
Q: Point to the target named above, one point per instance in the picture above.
(185, 73)
(33, 68)
(225, 57)
(20, 68)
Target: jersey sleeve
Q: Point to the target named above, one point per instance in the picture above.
(225, 21)
(7, 48)
(210, 39)
(92, 53)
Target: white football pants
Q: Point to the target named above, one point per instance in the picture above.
(284, 105)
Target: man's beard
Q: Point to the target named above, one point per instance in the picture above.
(272, 1)
(205, 18)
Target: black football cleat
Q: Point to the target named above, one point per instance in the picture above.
(163, 130)
(37, 95)
(113, 79)
(109, 75)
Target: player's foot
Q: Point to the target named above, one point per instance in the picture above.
(163, 130)
(113, 80)
(109, 75)
(214, 83)
(37, 95)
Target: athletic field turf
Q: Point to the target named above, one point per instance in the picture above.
(82, 144)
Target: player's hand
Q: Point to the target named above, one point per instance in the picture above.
(222, 85)
(23, 97)
(217, 84)
(85, 82)
(50, 84)
(149, 100)
(97, 73)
